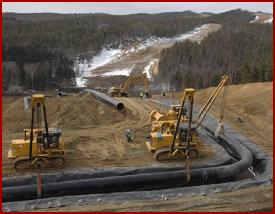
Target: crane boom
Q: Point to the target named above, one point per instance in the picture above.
(38, 100)
(188, 95)
(201, 115)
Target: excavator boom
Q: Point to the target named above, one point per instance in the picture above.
(123, 90)
(134, 79)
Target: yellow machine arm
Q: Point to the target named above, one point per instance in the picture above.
(188, 95)
(134, 79)
(38, 100)
(201, 115)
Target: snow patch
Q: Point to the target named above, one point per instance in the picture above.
(148, 68)
(269, 21)
(80, 81)
(84, 68)
(105, 57)
(117, 72)
(164, 41)
(194, 32)
(256, 19)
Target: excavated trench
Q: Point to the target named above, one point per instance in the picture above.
(240, 164)
(144, 180)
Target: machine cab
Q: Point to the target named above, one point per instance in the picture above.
(54, 137)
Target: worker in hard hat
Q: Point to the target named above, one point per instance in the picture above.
(141, 94)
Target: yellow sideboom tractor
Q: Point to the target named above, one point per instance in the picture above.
(41, 147)
(174, 135)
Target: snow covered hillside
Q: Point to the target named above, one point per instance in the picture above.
(86, 68)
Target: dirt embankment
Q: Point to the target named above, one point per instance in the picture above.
(70, 111)
(248, 110)
(72, 114)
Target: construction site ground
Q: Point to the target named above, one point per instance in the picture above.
(249, 199)
(93, 134)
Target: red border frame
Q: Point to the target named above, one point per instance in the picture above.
(140, 1)
(133, 1)
(1, 111)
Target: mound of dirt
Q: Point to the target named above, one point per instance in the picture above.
(62, 112)
(75, 115)
(248, 110)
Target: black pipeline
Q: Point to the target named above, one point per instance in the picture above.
(106, 99)
(148, 181)
(68, 176)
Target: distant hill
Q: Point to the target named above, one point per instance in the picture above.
(244, 52)
(49, 41)
(262, 18)
(76, 33)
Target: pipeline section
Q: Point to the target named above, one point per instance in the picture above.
(220, 158)
(139, 182)
(106, 99)
(68, 176)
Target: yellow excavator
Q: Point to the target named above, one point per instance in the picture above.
(175, 134)
(122, 91)
(41, 147)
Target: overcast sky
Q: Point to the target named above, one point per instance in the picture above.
(131, 7)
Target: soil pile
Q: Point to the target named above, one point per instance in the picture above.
(62, 112)
(75, 115)
(248, 110)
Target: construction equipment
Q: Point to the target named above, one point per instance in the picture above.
(160, 120)
(122, 91)
(160, 140)
(41, 147)
(175, 134)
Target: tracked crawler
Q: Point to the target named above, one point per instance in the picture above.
(41, 146)
(174, 135)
